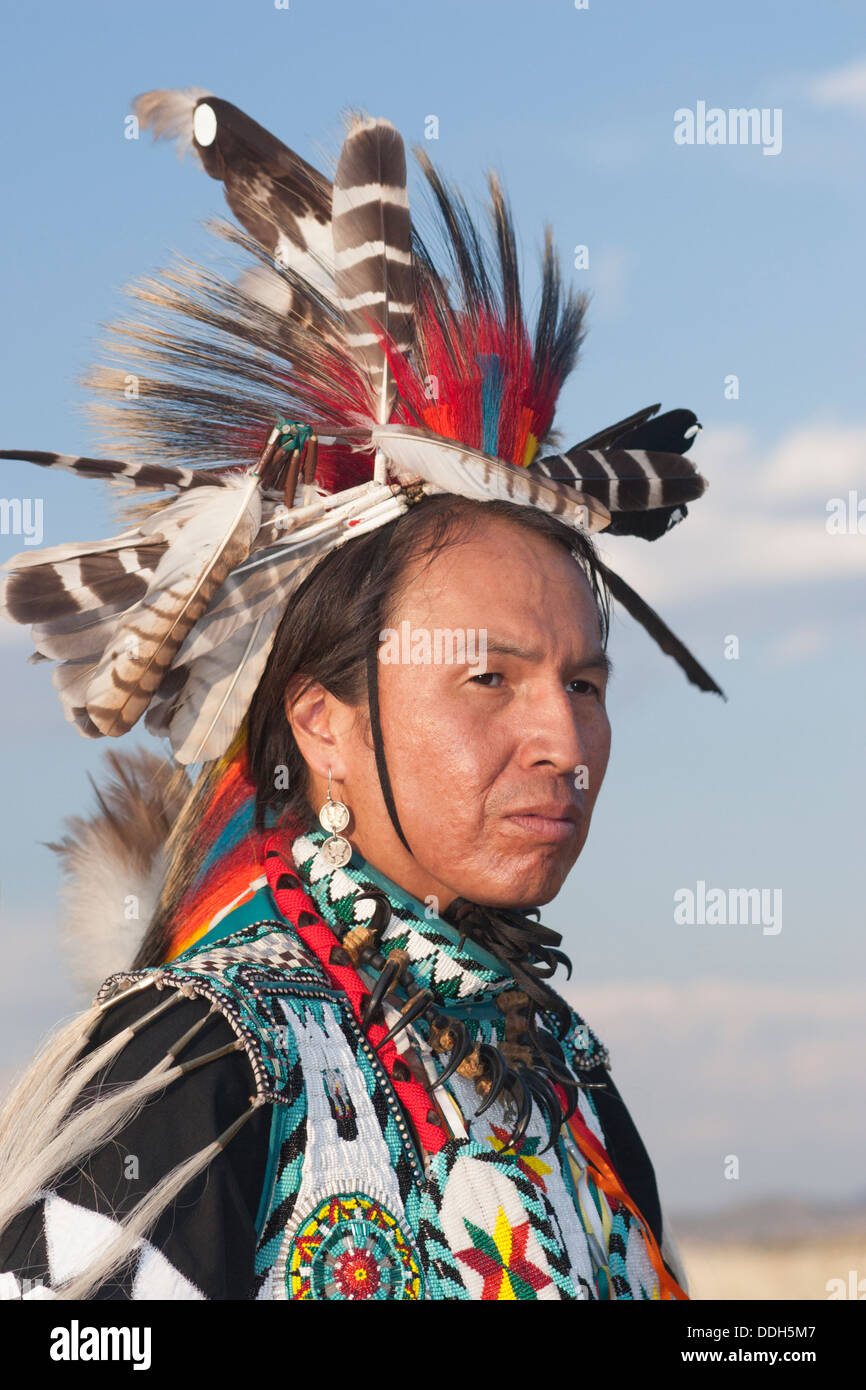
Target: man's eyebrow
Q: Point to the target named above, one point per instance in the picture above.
(597, 660)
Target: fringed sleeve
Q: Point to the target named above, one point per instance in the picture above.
(202, 1245)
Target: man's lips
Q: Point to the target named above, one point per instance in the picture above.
(550, 821)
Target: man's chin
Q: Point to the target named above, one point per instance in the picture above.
(530, 882)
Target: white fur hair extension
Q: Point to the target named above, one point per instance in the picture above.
(97, 938)
(114, 864)
(39, 1083)
(38, 1139)
(144, 1215)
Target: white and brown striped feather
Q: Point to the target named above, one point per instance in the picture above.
(372, 232)
(216, 533)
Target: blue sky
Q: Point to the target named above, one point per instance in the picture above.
(705, 261)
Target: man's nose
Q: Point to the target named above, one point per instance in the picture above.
(555, 732)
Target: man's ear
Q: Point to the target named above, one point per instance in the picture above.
(318, 722)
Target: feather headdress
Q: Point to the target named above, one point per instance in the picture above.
(303, 402)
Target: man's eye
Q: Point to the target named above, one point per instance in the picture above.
(589, 687)
(487, 676)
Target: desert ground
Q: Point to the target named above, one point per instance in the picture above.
(793, 1270)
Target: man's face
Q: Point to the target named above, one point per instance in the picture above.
(494, 775)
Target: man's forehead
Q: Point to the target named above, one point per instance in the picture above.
(491, 553)
(539, 609)
(503, 571)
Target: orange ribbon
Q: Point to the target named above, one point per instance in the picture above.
(606, 1178)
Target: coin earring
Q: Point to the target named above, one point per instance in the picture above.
(334, 817)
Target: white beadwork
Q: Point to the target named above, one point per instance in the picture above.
(333, 1165)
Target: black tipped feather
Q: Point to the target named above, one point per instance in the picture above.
(660, 632)
(626, 480)
(281, 200)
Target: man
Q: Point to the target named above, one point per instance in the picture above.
(335, 1068)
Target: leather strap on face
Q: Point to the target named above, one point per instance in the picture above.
(378, 745)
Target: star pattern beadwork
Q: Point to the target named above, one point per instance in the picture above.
(501, 1260)
(525, 1151)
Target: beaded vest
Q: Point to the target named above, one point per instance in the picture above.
(353, 1205)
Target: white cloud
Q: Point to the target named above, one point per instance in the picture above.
(762, 521)
(844, 86)
(800, 644)
(822, 459)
